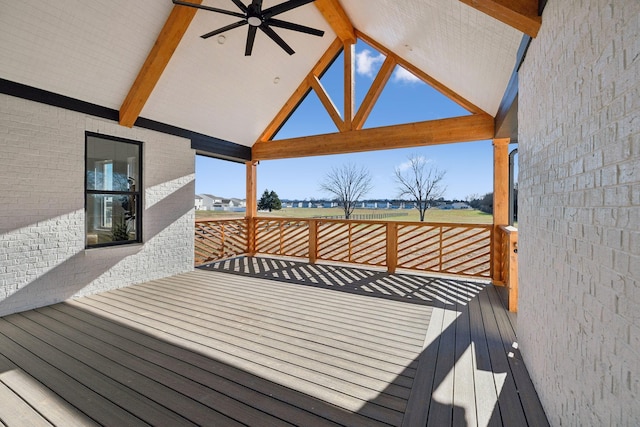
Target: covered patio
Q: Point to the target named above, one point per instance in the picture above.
(270, 341)
(104, 319)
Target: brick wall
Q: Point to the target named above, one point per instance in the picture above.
(42, 228)
(579, 212)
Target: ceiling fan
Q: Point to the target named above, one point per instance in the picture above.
(255, 17)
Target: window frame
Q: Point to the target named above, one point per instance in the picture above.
(137, 193)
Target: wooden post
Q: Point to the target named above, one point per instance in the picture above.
(313, 241)
(252, 205)
(392, 247)
(500, 196)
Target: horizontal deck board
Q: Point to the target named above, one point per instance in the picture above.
(17, 412)
(306, 364)
(293, 344)
(35, 394)
(529, 398)
(236, 383)
(81, 396)
(260, 340)
(313, 320)
(159, 382)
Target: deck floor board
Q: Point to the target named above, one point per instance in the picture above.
(269, 342)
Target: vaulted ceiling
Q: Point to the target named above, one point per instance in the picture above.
(102, 52)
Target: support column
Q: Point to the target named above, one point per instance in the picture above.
(252, 204)
(500, 197)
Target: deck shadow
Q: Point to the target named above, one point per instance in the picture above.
(409, 288)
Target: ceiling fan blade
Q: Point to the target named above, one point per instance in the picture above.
(211, 9)
(223, 29)
(257, 3)
(276, 38)
(283, 7)
(295, 27)
(251, 37)
(240, 5)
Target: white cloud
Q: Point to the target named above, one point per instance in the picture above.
(367, 63)
(400, 75)
(407, 165)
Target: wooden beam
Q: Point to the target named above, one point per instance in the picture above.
(326, 101)
(349, 84)
(457, 129)
(374, 92)
(337, 18)
(161, 52)
(251, 181)
(501, 181)
(458, 99)
(500, 197)
(251, 212)
(519, 14)
(303, 89)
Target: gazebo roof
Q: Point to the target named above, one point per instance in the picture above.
(95, 51)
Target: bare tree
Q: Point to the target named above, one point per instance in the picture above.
(420, 183)
(348, 184)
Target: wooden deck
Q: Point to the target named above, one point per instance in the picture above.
(260, 342)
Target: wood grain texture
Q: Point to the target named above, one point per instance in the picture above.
(374, 92)
(457, 129)
(519, 14)
(337, 18)
(157, 60)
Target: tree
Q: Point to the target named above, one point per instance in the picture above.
(347, 184)
(276, 204)
(420, 183)
(486, 203)
(269, 201)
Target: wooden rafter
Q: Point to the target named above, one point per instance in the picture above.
(326, 101)
(303, 89)
(374, 92)
(161, 52)
(463, 102)
(337, 18)
(519, 14)
(457, 129)
(350, 136)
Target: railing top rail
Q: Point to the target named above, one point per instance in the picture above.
(362, 221)
(199, 221)
(508, 228)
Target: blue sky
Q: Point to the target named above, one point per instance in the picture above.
(405, 99)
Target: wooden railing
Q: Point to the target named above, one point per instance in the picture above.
(506, 269)
(220, 239)
(461, 249)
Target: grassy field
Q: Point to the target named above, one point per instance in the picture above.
(432, 215)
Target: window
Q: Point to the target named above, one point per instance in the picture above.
(112, 191)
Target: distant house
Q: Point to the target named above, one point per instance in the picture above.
(209, 202)
(460, 205)
(198, 203)
(454, 205)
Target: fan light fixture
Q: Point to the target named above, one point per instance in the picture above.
(256, 18)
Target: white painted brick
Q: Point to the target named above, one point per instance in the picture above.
(42, 255)
(579, 212)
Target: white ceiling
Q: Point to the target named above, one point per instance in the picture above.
(93, 50)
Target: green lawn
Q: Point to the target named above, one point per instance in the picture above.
(432, 215)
